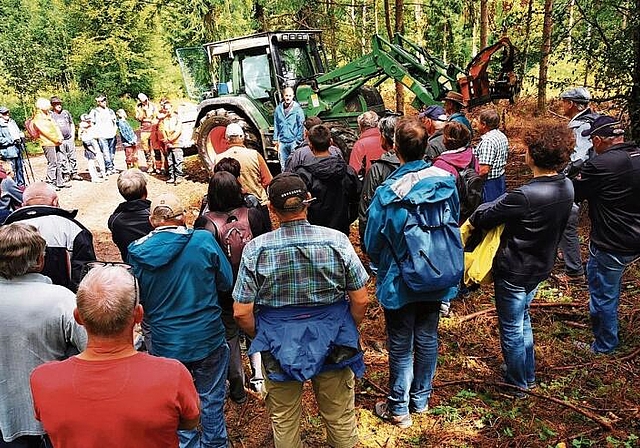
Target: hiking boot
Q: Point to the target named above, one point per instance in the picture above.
(171, 181)
(76, 176)
(415, 410)
(445, 309)
(401, 421)
(179, 180)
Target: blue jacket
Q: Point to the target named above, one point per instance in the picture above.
(127, 135)
(305, 339)
(180, 272)
(386, 218)
(288, 128)
(9, 132)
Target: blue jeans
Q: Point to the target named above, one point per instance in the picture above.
(209, 376)
(284, 151)
(570, 244)
(604, 274)
(516, 335)
(106, 152)
(493, 189)
(412, 333)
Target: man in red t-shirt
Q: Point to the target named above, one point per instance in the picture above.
(110, 395)
(368, 147)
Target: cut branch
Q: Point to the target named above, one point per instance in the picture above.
(533, 305)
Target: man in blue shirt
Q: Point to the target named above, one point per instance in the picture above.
(309, 286)
(288, 126)
(180, 272)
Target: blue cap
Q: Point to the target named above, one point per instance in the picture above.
(434, 113)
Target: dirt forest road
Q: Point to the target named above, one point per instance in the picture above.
(96, 201)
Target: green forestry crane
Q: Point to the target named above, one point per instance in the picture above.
(241, 80)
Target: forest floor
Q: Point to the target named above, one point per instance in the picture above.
(582, 400)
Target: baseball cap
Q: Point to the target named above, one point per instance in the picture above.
(142, 97)
(55, 100)
(434, 113)
(455, 97)
(604, 126)
(4, 110)
(287, 192)
(164, 202)
(234, 130)
(577, 94)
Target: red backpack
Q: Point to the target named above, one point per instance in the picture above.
(32, 131)
(232, 231)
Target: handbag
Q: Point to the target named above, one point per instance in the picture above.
(478, 260)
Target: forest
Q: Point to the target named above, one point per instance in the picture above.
(79, 49)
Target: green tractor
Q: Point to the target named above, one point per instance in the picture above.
(241, 80)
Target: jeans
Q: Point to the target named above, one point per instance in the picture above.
(27, 442)
(106, 153)
(412, 333)
(209, 376)
(112, 147)
(570, 244)
(18, 170)
(284, 151)
(604, 274)
(516, 335)
(493, 189)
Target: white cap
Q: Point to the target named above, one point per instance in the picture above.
(234, 130)
(142, 97)
(43, 104)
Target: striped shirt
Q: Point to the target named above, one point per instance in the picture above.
(298, 264)
(493, 150)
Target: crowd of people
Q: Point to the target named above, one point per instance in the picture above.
(81, 375)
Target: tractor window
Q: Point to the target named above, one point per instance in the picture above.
(256, 76)
(295, 64)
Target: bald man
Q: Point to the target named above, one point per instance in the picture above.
(69, 243)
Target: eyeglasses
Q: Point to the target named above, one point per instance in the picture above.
(128, 267)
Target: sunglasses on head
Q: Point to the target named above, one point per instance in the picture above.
(127, 267)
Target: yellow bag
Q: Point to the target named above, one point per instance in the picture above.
(477, 263)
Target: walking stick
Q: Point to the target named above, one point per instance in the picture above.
(23, 150)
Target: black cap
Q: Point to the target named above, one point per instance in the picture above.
(55, 100)
(604, 126)
(287, 192)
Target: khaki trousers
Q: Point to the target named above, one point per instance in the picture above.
(335, 395)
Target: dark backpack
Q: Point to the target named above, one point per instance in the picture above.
(232, 231)
(435, 258)
(469, 185)
(32, 131)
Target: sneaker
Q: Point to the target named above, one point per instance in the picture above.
(64, 185)
(414, 410)
(445, 309)
(76, 176)
(171, 181)
(179, 180)
(401, 421)
(98, 180)
(257, 385)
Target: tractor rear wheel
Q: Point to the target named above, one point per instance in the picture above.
(210, 138)
(343, 137)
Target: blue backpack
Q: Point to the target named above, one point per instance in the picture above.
(435, 257)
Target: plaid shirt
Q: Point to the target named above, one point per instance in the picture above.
(493, 150)
(298, 264)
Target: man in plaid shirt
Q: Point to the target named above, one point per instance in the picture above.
(308, 288)
(492, 153)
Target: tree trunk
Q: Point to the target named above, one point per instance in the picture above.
(634, 100)
(572, 4)
(547, 27)
(484, 23)
(527, 36)
(399, 29)
(387, 19)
